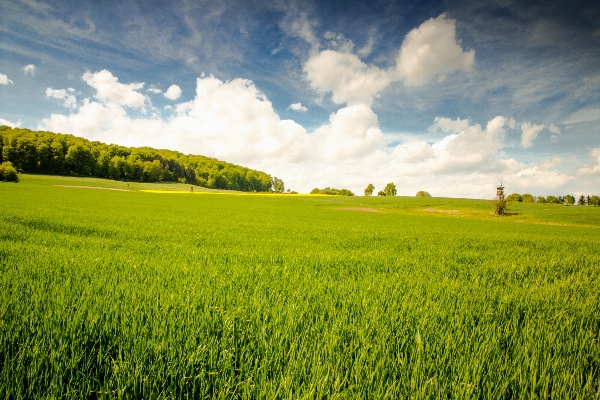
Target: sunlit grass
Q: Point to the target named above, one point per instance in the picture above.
(138, 295)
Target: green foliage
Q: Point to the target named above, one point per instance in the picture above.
(390, 189)
(581, 201)
(369, 190)
(332, 191)
(541, 199)
(422, 193)
(142, 295)
(594, 201)
(552, 200)
(500, 207)
(278, 185)
(569, 200)
(514, 197)
(51, 153)
(381, 193)
(527, 198)
(8, 173)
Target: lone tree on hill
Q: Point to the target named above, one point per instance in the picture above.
(278, 185)
(369, 190)
(390, 189)
(422, 193)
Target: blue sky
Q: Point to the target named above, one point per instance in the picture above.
(448, 97)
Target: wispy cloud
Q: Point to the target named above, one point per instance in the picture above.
(29, 69)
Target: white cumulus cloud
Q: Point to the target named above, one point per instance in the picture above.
(4, 79)
(430, 51)
(352, 132)
(9, 123)
(29, 69)
(228, 120)
(427, 52)
(297, 107)
(108, 87)
(69, 99)
(346, 76)
(173, 92)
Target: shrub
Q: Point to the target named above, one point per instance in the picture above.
(422, 193)
(541, 199)
(8, 173)
(514, 197)
(500, 207)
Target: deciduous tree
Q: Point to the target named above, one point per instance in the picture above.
(390, 189)
(278, 185)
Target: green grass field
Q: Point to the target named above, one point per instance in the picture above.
(133, 294)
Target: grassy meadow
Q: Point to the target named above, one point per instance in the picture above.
(147, 292)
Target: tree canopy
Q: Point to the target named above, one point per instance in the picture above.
(514, 197)
(332, 191)
(61, 154)
(390, 189)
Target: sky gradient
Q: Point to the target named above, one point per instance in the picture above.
(447, 97)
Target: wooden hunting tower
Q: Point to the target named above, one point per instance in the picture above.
(500, 192)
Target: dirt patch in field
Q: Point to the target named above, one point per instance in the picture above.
(441, 211)
(362, 209)
(94, 187)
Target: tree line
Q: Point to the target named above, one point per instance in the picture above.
(332, 191)
(568, 200)
(62, 154)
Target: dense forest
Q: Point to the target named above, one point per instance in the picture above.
(60, 154)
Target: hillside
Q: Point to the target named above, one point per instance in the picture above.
(54, 153)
